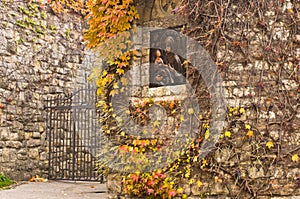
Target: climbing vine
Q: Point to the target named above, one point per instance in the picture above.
(260, 134)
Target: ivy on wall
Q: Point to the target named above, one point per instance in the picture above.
(234, 32)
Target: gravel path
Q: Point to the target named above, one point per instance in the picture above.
(56, 190)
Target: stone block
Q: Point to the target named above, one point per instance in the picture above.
(22, 154)
(4, 133)
(33, 154)
(28, 135)
(43, 156)
(114, 183)
(255, 172)
(2, 144)
(36, 135)
(8, 155)
(11, 47)
(13, 144)
(33, 143)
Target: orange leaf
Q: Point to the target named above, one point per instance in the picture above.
(250, 133)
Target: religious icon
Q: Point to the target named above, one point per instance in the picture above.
(168, 48)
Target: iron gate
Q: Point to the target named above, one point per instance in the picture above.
(73, 135)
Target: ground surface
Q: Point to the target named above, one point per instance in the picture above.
(55, 190)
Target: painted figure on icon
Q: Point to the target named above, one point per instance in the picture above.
(166, 66)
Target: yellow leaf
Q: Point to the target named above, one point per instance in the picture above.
(104, 73)
(217, 179)
(180, 190)
(247, 126)
(187, 175)
(184, 196)
(270, 144)
(295, 158)
(119, 119)
(242, 110)
(199, 183)
(122, 133)
(227, 134)
(124, 81)
(250, 133)
(113, 92)
(181, 118)
(115, 86)
(206, 134)
(156, 123)
(195, 159)
(120, 71)
(191, 111)
(204, 163)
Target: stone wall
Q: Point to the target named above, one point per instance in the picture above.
(242, 166)
(41, 54)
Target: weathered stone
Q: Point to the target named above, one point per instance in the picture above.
(33, 154)
(43, 156)
(36, 135)
(11, 47)
(22, 154)
(4, 133)
(33, 143)
(2, 144)
(13, 144)
(255, 173)
(113, 183)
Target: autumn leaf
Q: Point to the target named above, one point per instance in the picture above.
(113, 92)
(156, 123)
(227, 134)
(190, 111)
(218, 179)
(115, 86)
(250, 133)
(123, 148)
(295, 158)
(134, 177)
(180, 190)
(195, 159)
(247, 126)
(242, 110)
(269, 144)
(181, 118)
(204, 163)
(291, 10)
(236, 43)
(120, 71)
(199, 183)
(206, 134)
(172, 193)
(150, 191)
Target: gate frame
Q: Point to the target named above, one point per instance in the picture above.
(58, 108)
